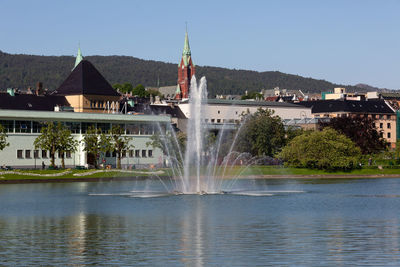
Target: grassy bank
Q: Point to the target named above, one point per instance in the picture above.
(69, 174)
(237, 171)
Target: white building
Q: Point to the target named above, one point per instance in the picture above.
(23, 127)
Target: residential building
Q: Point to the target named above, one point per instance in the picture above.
(380, 111)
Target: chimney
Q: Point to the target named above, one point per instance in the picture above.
(39, 88)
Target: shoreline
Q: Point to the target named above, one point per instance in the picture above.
(55, 179)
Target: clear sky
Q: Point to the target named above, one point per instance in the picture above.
(342, 41)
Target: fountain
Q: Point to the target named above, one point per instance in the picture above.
(197, 170)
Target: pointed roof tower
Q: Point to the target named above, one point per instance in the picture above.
(79, 57)
(186, 54)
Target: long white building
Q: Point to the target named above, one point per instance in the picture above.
(23, 127)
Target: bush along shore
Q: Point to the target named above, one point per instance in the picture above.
(253, 172)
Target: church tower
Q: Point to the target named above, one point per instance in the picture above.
(186, 70)
(79, 57)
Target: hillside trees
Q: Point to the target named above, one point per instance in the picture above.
(326, 149)
(52, 71)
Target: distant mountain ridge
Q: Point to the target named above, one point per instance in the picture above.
(22, 71)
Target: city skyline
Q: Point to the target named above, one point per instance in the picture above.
(339, 41)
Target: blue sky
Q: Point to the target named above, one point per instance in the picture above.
(344, 42)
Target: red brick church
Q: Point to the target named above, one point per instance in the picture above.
(186, 70)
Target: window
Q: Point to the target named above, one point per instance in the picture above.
(218, 120)
(389, 117)
(150, 153)
(124, 154)
(27, 154)
(132, 128)
(60, 155)
(44, 154)
(74, 127)
(19, 153)
(219, 112)
(131, 153)
(8, 126)
(86, 125)
(212, 120)
(36, 154)
(68, 154)
(23, 126)
(104, 127)
(381, 125)
(108, 154)
(37, 126)
(137, 153)
(114, 154)
(388, 125)
(388, 135)
(143, 153)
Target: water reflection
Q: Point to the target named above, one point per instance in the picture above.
(304, 224)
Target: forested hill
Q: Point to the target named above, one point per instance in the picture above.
(22, 71)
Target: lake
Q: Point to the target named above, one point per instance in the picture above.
(285, 222)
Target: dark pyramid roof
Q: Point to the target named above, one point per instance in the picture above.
(85, 79)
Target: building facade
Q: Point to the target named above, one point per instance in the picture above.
(24, 127)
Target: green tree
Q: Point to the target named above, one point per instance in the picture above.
(361, 130)
(95, 142)
(119, 142)
(3, 138)
(326, 149)
(252, 95)
(48, 140)
(261, 134)
(169, 145)
(66, 143)
(139, 91)
(55, 138)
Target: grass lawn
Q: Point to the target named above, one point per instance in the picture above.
(229, 172)
(67, 174)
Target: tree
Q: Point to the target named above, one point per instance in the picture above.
(171, 146)
(3, 138)
(119, 142)
(55, 138)
(48, 140)
(66, 142)
(326, 149)
(139, 91)
(361, 130)
(252, 95)
(95, 142)
(262, 134)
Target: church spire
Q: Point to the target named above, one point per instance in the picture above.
(79, 57)
(186, 50)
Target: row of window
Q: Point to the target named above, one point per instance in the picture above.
(37, 154)
(221, 121)
(16, 126)
(133, 153)
(388, 135)
(380, 125)
(44, 154)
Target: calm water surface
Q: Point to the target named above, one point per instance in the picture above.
(297, 223)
